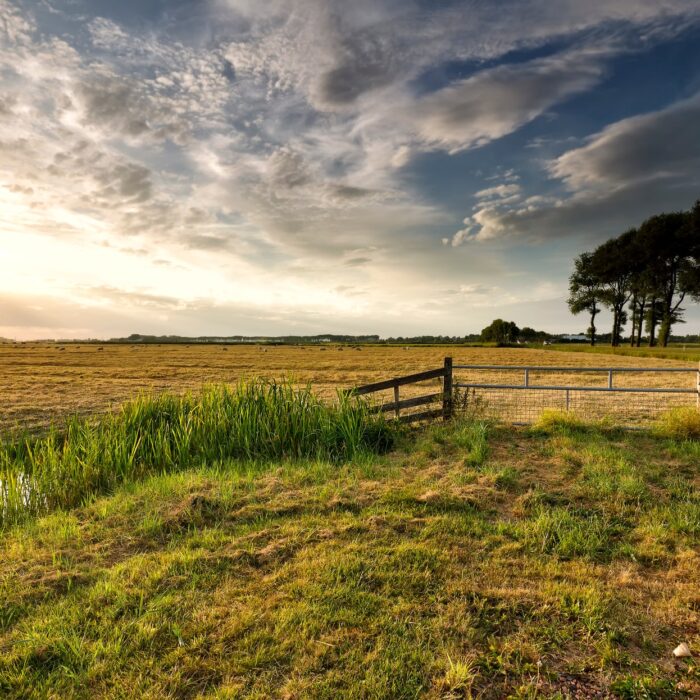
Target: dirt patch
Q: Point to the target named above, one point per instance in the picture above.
(580, 688)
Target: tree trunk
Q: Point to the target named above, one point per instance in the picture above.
(617, 324)
(593, 329)
(653, 320)
(634, 305)
(669, 318)
(642, 308)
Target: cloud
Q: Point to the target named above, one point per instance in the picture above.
(365, 63)
(287, 169)
(265, 149)
(626, 172)
(661, 146)
(503, 191)
(462, 236)
(355, 262)
(347, 192)
(497, 101)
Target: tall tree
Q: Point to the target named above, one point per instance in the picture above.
(610, 264)
(585, 291)
(643, 285)
(653, 316)
(654, 269)
(689, 276)
(669, 238)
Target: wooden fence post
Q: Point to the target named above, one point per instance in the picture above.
(447, 390)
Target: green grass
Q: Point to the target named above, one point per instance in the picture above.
(472, 560)
(686, 352)
(253, 421)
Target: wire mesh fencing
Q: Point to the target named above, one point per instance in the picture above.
(627, 396)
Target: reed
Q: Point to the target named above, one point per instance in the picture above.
(256, 420)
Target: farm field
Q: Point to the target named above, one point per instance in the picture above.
(471, 561)
(44, 383)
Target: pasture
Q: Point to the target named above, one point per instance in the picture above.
(44, 383)
(471, 562)
(257, 542)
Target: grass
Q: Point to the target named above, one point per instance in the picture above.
(253, 421)
(679, 424)
(472, 560)
(686, 352)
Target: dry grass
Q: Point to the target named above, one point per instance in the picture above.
(41, 383)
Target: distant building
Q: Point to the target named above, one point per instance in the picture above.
(580, 338)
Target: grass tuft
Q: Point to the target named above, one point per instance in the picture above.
(679, 424)
(253, 421)
(568, 534)
(552, 421)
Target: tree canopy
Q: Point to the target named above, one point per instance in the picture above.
(501, 332)
(644, 274)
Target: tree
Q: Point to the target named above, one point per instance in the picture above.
(672, 248)
(642, 284)
(689, 277)
(585, 291)
(654, 269)
(610, 265)
(500, 332)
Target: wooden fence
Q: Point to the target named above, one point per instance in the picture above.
(398, 404)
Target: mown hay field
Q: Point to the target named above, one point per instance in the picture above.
(41, 383)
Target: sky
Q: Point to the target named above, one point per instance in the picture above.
(399, 167)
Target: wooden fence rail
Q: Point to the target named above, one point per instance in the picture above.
(396, 406)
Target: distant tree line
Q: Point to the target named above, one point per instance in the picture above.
(244, 339)
(431, 339)
(643, 275)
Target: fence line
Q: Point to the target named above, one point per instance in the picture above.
(514, 402)
(500, 399)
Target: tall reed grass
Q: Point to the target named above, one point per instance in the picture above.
(257, 420)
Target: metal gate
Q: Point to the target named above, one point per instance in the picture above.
(628, 395)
